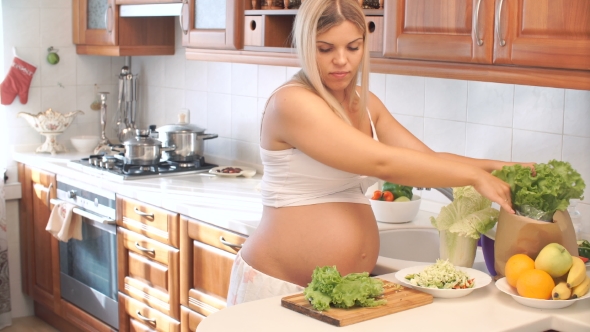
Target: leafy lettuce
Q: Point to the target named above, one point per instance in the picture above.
(539, 196)
(327, 287)
(469, 215)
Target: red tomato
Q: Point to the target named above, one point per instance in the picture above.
(376, 195)
(388, 196)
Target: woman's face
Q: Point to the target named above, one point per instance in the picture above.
(339, 52)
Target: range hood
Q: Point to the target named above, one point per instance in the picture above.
(147, 10)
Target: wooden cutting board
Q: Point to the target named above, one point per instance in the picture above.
(400, 299)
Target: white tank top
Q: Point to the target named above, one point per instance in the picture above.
(292, 178)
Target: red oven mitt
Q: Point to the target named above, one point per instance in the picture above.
(17, 81)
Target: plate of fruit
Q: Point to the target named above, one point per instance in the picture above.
(554, 279)
(393, 203)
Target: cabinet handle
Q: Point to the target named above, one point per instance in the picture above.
(47, 190)
(231, 245)
(48, 198)
(181, 18)
(498, 22)
(144, 249)
(109, 19)
(144, 318)
(143, 214)
(479, 40)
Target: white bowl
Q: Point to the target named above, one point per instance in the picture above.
(503, 286)
(396, 212)
(481, 280)
(85, 144)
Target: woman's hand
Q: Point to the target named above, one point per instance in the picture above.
(495, 190)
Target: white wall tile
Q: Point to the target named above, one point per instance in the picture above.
(152, 107)
(244, 80)
(576, 150)
(60, 99)
(377, 85)
(404, 94)
(490, 103)
(538, 108)
(21, 3)
(91, 69)
(270, 78)
(196, 75)
(54, 3)
(174, 71)
(445, 135)
(173, 103)
(151, 70)
(244, 151)
(531, 146)
(415, 124)
(56, 28)
(291, 71)
(488, 142)
(32, 106)
(445, 99)
(219, 77)
(219, 114)
(244, 118)
(117, 64)
(219, 147)
(577, 113)
(24, 26)
(63, 72)
(196, 102)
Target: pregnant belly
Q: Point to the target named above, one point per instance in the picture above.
(290, 242)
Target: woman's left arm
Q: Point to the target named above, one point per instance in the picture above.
(392, 133)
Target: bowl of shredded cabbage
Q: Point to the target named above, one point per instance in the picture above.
(443, 279)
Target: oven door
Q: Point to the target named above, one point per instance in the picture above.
(89, 268)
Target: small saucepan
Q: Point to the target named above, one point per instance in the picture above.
(187, 139)
(142, 150)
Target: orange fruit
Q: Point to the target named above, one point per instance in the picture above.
(535, 284)
(515, 266)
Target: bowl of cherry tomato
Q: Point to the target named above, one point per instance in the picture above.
(394, 210)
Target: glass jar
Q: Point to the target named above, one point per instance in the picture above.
(272, 4)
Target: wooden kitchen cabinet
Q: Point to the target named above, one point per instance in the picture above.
(136, 316)
(98, 29)
(39, 249)
(207, 253)
(543, 33)
(212, 24)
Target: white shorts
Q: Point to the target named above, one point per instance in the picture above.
(248, 284)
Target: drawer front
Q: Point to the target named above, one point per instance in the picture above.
(253, 31)
(189, 320)
(215, 236)
(149, 271)
(153, 222)
(136, 316)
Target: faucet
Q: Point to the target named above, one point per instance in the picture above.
(447, 192)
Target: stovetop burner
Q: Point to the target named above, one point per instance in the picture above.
(118, 168)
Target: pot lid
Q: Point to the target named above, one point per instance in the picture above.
(181, 126)
(142, 138)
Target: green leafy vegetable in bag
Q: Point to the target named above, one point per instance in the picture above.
(398, 190)
(327, 287)
(539, 196)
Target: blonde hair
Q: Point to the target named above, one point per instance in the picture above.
(316, 17)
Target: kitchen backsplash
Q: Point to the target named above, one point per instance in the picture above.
(477, 119)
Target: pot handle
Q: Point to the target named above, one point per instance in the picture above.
(168, 148)
(118, 148)
(207, 136)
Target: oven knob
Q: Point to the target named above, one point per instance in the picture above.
(96, 202)
(72, 194)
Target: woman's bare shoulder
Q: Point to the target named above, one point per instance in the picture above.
(294, 97)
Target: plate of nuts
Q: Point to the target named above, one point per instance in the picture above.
(233, 171)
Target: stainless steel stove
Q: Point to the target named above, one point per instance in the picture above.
(114, 169)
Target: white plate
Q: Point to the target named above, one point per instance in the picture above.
(481, 280)
(246, 171)
(503, 286)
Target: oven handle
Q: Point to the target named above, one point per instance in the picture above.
(86, 214)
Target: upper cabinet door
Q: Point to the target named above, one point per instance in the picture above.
(213, 24)
(95, 22)
(443, 30)
(543, 33)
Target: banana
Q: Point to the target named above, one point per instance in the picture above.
(561, 291)
(581, 289)
(577, 272)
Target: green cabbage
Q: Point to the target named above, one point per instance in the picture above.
(539, 196)
(398, 190)
(469, 215)
(327, 287)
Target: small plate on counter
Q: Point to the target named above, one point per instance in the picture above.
(233, 171)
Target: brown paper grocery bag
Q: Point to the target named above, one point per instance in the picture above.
(523, 235)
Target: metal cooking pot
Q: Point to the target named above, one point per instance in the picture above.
(142, 150)
(187, 139)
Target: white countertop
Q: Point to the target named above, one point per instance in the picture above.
(486, 309)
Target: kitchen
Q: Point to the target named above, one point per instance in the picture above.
(473, 118)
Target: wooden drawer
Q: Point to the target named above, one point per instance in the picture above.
(253, 31)
(136, 316)
(189, 320)
(375, 26)
(148, 271)
(148, 220)
(215, 236)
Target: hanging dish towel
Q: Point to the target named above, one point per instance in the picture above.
(63, 223)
